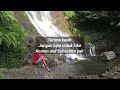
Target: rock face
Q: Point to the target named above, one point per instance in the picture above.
(54, 59)
(113, 73)
(25, 22)
(30, 72)
(108, 55)
(59, 21)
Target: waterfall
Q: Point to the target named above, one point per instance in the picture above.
(89, 49)
(43, 23)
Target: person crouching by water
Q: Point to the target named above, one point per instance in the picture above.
(39, 58)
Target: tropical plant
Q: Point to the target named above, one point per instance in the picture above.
(12, 38)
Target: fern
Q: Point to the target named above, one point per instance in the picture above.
(0, 34)
(6, 40)
(13, 39)
(14, 34)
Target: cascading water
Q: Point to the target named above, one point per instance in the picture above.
(43, 23)
(89, 49)
(92, 50)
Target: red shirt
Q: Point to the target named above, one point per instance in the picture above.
(36, 57)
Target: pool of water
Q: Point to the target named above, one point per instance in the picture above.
(86, 67)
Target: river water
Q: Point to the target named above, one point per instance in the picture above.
(85, 67)
(43, 23)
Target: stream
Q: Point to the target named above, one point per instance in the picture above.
(85, 67)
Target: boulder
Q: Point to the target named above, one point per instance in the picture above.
(108, 56)
(28, 58)
(56, 61)
(53, 59)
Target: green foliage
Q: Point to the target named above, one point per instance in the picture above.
(12, 38)
(0, 34)
(76, 32)
(69, 14)
(87, 38)
(0, 41)
(96, 26)
(9, 38)
(24, 14)
(97, 15)
(2, 76)
(97, 20)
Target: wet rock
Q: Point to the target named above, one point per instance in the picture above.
(27, 62)
(106, 56)
(113, 73)
(60, 22)
(62, 58)
(28, 57)
(74, 61)
(56, 61)
(84, 77)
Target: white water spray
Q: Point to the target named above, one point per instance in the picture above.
(43, 23)
(92, 50)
